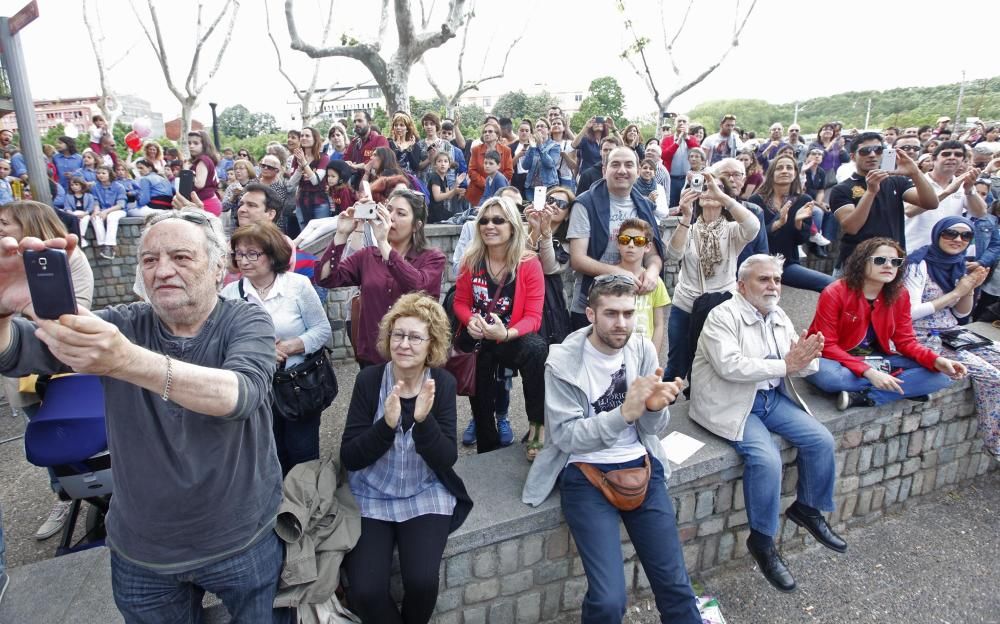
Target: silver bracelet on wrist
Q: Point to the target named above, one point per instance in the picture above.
(170, 378)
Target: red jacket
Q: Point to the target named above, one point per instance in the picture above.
(529, 296)
(477, 175)
(843, 315)
(358, 153)
(669, 147)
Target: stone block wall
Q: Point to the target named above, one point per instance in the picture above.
(886, 459)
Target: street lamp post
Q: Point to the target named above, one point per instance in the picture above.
(215, 127)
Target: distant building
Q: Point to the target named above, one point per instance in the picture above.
(569, 101)
(341, 102)
(78, 112)
(172, 128)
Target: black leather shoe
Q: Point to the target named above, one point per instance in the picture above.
(818, 527)
(821, 252)
(773, 567)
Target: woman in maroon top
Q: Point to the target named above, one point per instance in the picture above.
(400, 262)
(204, 158)
(309, 163)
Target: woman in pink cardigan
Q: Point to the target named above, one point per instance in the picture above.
(498, 301)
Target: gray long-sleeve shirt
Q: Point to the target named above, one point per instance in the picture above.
(189, 489)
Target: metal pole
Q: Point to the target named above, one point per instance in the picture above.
(215, 127)
(24, 110)
(958, 110)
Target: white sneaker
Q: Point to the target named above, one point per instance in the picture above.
(819, 239)
(56, 520)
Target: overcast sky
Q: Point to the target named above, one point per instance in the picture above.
(789, 50)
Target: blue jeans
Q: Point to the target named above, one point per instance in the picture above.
(676, 184)
(916, 380)
(593, 522)
(246, 583)
(3, 546)
(297, 441)
(569, 183)
(773, 412)
(678, 344)
(831, 227)
(798, 276)
(305, 214)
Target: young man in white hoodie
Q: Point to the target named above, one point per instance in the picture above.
(606, 405)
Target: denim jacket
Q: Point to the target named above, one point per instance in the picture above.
(987, 240)
(543, 161)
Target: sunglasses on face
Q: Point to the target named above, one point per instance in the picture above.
(881, 260)
(951, 155)
(950, 234)
(625, 239)
(868, 150)
(908, 148)
(268, 167)
(558, 203)
(494, 220)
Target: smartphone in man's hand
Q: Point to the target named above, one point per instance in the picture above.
(50, 283)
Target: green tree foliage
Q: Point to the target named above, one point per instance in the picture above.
(239, 122)
(910, 106)
(518, 105)
(470, 117)
(605, 99)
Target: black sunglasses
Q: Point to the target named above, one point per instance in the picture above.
(558, 203)
(950, 234)
(908, 148)
(868, 150)
(880, 260)
(494, 220)
(268, 167)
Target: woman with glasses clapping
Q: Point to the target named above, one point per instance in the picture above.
(499, 297)
(871, 355)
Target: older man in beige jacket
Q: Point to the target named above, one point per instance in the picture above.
(742, 391)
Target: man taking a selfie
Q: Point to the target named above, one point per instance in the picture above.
(186, 380)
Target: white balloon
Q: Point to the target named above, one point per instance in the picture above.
(142, 126)
(71, 131)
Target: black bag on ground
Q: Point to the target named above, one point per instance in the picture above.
(305, 389)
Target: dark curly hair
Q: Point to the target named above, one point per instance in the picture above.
(857, 262)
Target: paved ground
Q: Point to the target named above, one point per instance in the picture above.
(934, 563)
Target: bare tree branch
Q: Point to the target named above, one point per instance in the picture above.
(96, 43)
(673, 41)
(157, 45)
(193, 76)
(383, 25)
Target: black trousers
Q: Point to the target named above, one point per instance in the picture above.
(527, 356)
(296, 441)
(421, 543)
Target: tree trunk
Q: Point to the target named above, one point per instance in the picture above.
(396, 88)
(187, 106)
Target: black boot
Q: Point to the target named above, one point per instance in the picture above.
(847, 400)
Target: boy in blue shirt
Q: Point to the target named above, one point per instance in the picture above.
(494, 179)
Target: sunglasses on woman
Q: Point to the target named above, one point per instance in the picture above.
(558, 203)
(268, 167)
(493, 220)
(881, 260)
(950, 234)
(625, 239)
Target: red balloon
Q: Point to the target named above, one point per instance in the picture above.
(133, 141)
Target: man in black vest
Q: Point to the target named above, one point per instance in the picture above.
(593, 230)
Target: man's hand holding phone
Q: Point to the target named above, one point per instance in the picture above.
(15, 297)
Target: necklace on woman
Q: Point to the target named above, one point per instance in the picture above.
(496, 275)
(263, 291)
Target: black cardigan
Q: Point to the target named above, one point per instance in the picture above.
(365, 441)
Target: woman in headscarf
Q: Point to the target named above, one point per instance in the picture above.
(941, 294)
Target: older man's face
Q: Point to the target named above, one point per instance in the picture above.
(176, 270)
(762, 287)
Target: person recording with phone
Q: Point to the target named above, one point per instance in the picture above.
(714, 228)
(400, 262)
(871, 202)
(186, 379)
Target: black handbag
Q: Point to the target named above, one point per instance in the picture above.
(305, 389)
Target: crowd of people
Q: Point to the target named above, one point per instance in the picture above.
(229, 300)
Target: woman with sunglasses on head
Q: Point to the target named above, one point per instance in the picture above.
(713, 229)
(400, 262)
(788, 214)
(499, 297)
(871, 355)
(941, 295)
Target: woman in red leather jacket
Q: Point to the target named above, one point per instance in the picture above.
(871, 355)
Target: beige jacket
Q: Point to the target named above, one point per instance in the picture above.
(731, 360)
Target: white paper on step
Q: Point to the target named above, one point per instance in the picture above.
(679, 447)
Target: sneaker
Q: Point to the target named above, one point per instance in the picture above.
(819, 239)
(847, 400)
(506, 433)
(4, 582)
(57, 517)
(469, 437)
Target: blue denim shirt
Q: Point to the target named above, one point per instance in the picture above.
(987, 240)
(153, 185)
(65, 166)
(543, 161)
(109, 196)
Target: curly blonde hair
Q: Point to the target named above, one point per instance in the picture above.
(423, 307)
